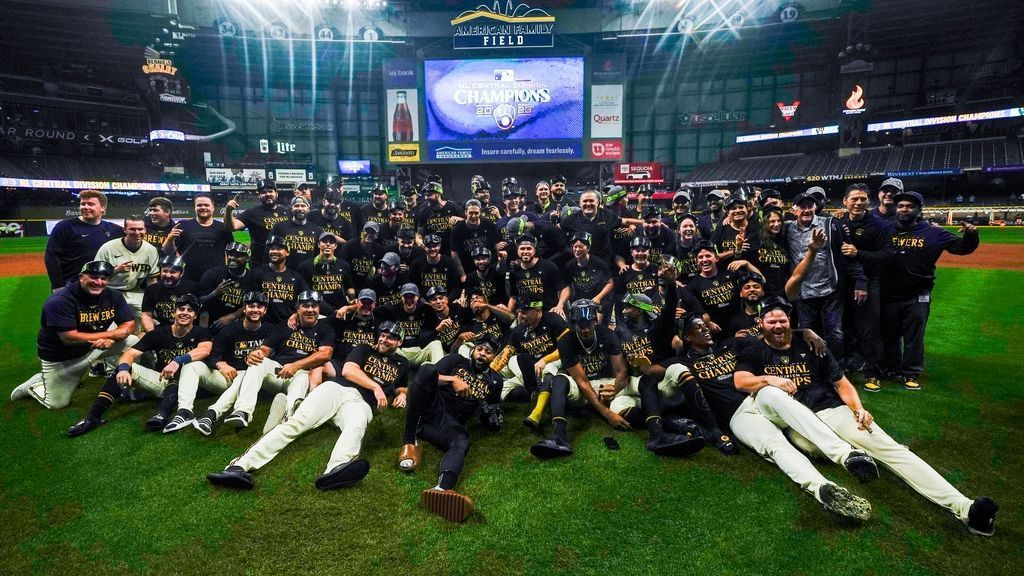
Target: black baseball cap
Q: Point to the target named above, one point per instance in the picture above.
(489, 340)
(276, 240)
(558, 179)
(909, 195)
(328, 237)
(774, 303)
(172, 262)
(432, 240)
(640, 242)
(585, 237)
(530, 303)
(481, 252)
(436, 290)
(254, 297)
(392, 328)
(265, 183)
(309, 297)
(98, 268)
(188, 300)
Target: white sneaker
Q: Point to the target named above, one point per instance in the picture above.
(278, 407)
(24, 390)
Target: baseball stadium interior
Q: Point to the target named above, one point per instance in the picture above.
(662, 112)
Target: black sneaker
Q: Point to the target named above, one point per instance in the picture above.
(183, 419)
(676, 445)
(724, 443)
(205, 424)
(98, 370)
(981, 520)
(232, 477)
(862, 467)
(681, 425)
(156, 422)
(343, 475)
(238, 419)
(88, 424)
(839, 500)
(551, 448)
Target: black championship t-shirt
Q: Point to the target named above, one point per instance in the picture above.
(230, 299)
(447, 336)
(713, 372)
(202, 247)
(259, 221)
(443, 273)
(166, 346)
(588, 280)
(438, 221)
(416, 324)
(71, 308)
(540, 341)
(643, 281)
(288, 345)
(594, 357)
(301, 239)
(280, 287)
(332, 279)
(813, 375)
(353, 332)
(389, 371)
(156, 235)
(484, 387)
(233, 343)
(339, 226)
(492, 325)
(717, 295)
(492, 285)
(362, 258)
(544, 280)
(160, 301)
(466, 238)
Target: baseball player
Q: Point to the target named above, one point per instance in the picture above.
(436, 215)
(329, 218)
(531, 342)
(159, 222)
(75, 333)
(231, 348)
(174, 346)
(328, 274)
(487, 319)
(135, 262)
(299, 233)
(370, 375)
(221, 289)
(200, 241)
(259, 220)
(780, 361)
(440, 404)
(280, 283)
(74, 241)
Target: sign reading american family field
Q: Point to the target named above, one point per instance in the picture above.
(503, 26)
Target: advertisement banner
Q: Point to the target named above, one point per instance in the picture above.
(504, 151)
(692, 119)
(102, 185)
(608, 69)
(404, 119)
(503, 26)
(606, 111)
(399, 153)
(234, 176)
(290, 175)
(402, 110)
(606, 149)
(12, 228)
(639, 173)
(69, 136)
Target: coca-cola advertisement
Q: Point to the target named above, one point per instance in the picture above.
(403, 115)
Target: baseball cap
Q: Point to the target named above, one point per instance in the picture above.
(188, 300)
(379, 187)
(613, 193)
(238, 248)
(308, 296)
(372, 227)
(530, 303)
(804, 196)
(515, 227)
(98, 268)
(367, 294)
(584, 237)
(328, 237)
(718, 193)
(391, 259)
(705, 245)
(254, 297)
(409, 190)
(264, 183)
(558, 179)
(396, 208)
(406, 234)
(640, 242)
(432, 240)
(435, 290)
(483, 185)
(745, 277)
(737, 197)
(774, 303)
(682, 193)
(334, 195)
(481, 252)
(641, 301)
(432, 188)
(817, 191)
(652, 212)
(909, 195)
(165, 262)
(392, 328)
(688, 217)
(276, 240)
(489, 340)
(892, 183)
(409, 288)
(769, 193)
(526, 239)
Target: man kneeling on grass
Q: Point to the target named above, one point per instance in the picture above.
(441, 401)
(175, 346)
(369, 376)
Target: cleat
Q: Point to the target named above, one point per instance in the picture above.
(911, 383)
(676, 445)
(88, 424)
(873, 385)
(237, 419)
(343, 475)
(24, 390)
(98, 370)
(725, 444)
(551, 448)
(232, 477)
(681, 425)
(409, 457)
(840, 501)
(183, 419)
(447, 504)
(278, 407)
(862, 467)
(532, 424)
(156, 422)
(205, 424)
(981, 519)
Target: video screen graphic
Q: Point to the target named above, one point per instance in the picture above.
(504, 99)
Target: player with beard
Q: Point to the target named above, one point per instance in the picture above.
(159, 222)
(346, 209)
(160, 299)
(329, 275)
(487, 279)
(739, 237)
(716, 288)
(407, 249)
(447, 319)
(593, 219)
(640, 277)
(543, 204)
(588, 277)
(330, 219)
(472, 233)
(758, 422)
(771, 255)
(280, 283)
(870, 243)
(530, 347)
(781, 362)
(481, 191)
(377, 210)
(224, 368)
(200, 241)
(591, 360)
(682, 200)
(411, 203)
(259, 221)
(886, 209)
(299, 233)
(389, 230)
(443, 399)
(353, 325)
(437, 269)
(907, 285)
(750, 288)
(533, 278)
(436, 217)
(711, 219)
(174, 347)
(516, 220)
(363, 255)
(388, 281)
(221, 289)
(370, 374)
(686, 248)
(415, 318)
(487, 319)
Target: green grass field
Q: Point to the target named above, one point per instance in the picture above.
(121, 501)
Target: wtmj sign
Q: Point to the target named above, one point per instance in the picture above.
(508, 26)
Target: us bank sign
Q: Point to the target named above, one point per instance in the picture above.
(508, 26)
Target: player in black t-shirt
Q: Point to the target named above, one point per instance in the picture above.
(486, 278)
(377, 371)
(221, 289)
(300, 234)
(159, 222)
(436, 215)
(354, 324)
(259, 221)
(328, 274)
(174, 346)
(329, 218)
(444, 397)
(750, 289)
(531, 278)
(587, 277)
(416, 319)
(364, 254)
(715, 288)
(280, 283)
(447, 318)
(388, 281)
(160, 298)
(487, 319)
(471, 234)
(437, 269)
(532, 340)
(200, 242)
(781, 362)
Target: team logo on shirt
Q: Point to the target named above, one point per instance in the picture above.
(784, 359)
